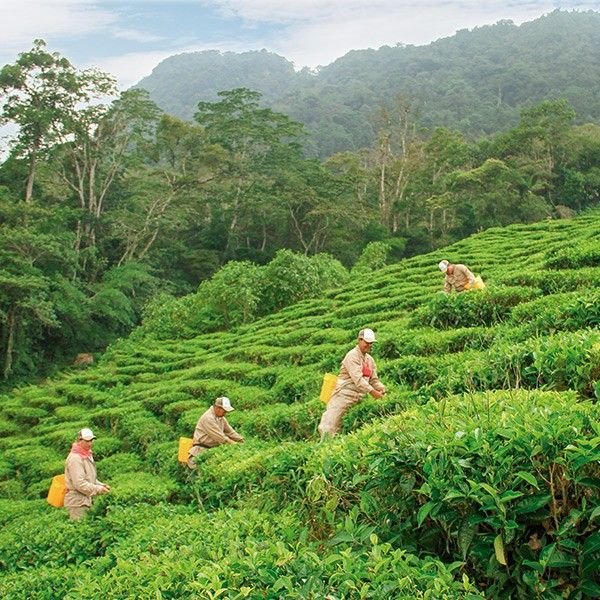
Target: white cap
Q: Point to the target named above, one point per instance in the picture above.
(224, 403)
(443, 266)
(86, 434)
(367, 334)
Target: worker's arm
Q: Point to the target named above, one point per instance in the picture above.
(467, 273)
(231, 433)
(374, 380)
(447, 286)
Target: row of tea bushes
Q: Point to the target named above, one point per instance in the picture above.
(163, 553)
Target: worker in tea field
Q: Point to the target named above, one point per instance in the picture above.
(458, 277)
(80, 476)
(213, 430)
(357, 377)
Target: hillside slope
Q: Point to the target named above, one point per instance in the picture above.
(479, 470)
(475, 81)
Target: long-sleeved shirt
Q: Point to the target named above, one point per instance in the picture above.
(213, 431)
(461, 276)
(81, 481)
(352, 369)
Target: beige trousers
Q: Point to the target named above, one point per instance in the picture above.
(341, 401)
(194, 451)
(76, 512)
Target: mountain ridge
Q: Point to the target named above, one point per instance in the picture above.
(475, 81)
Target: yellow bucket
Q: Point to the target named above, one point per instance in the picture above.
(185, 444)
(57, 491)
(329, 383)
(478, 283)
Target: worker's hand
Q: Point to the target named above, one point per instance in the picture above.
(104, 489)
(376, 393)
(241, 441)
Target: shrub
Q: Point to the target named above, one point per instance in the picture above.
(586, 254)
(288, 278)
(279, 421)
(120, 462)
(560, 312)
(135, 487)
(373, 257)
(48, 540)
(35, 462)
(470, 309)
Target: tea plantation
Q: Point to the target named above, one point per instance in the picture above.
(477, 475)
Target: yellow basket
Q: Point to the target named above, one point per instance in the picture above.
(329, 383)
(185, 444)
(57, 491)
(478, 283)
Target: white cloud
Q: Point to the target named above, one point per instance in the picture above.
(316, 32)
(25, 20)
(310, 10)
(135, 35)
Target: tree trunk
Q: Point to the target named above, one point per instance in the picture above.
(30, 177)
(11, 325)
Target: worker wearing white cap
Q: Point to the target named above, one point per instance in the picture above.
(80, 476)
(357, 377)
(213, 430)
(458, 277)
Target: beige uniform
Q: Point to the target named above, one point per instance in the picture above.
(82, 484)
(351, 386)
(461, 279)
(212, 431)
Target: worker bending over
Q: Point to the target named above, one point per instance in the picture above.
(357, 377)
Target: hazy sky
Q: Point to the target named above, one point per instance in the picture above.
(129, 38)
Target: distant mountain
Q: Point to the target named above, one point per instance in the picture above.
(475, 81)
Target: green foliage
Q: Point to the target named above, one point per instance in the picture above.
(240, 291)
(40, 538)
(491, 486)
(442, 477)
(470, 80)
(231, 296)
(582, 255)
(470, 309)
(373, 257)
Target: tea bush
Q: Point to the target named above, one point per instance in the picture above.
(585, 254)
(471, 309)
(477, 479)
(46, 540)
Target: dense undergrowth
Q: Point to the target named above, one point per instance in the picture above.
(476, 475)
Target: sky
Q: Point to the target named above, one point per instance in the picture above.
(129, 38)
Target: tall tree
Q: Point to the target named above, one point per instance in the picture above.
(258, 141)
(165, 191)
(39, 91)
(105, 138)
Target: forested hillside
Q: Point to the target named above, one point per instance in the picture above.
(476, 475)
(109, 207)
(475, 81)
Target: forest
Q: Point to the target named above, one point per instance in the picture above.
(107, 202)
